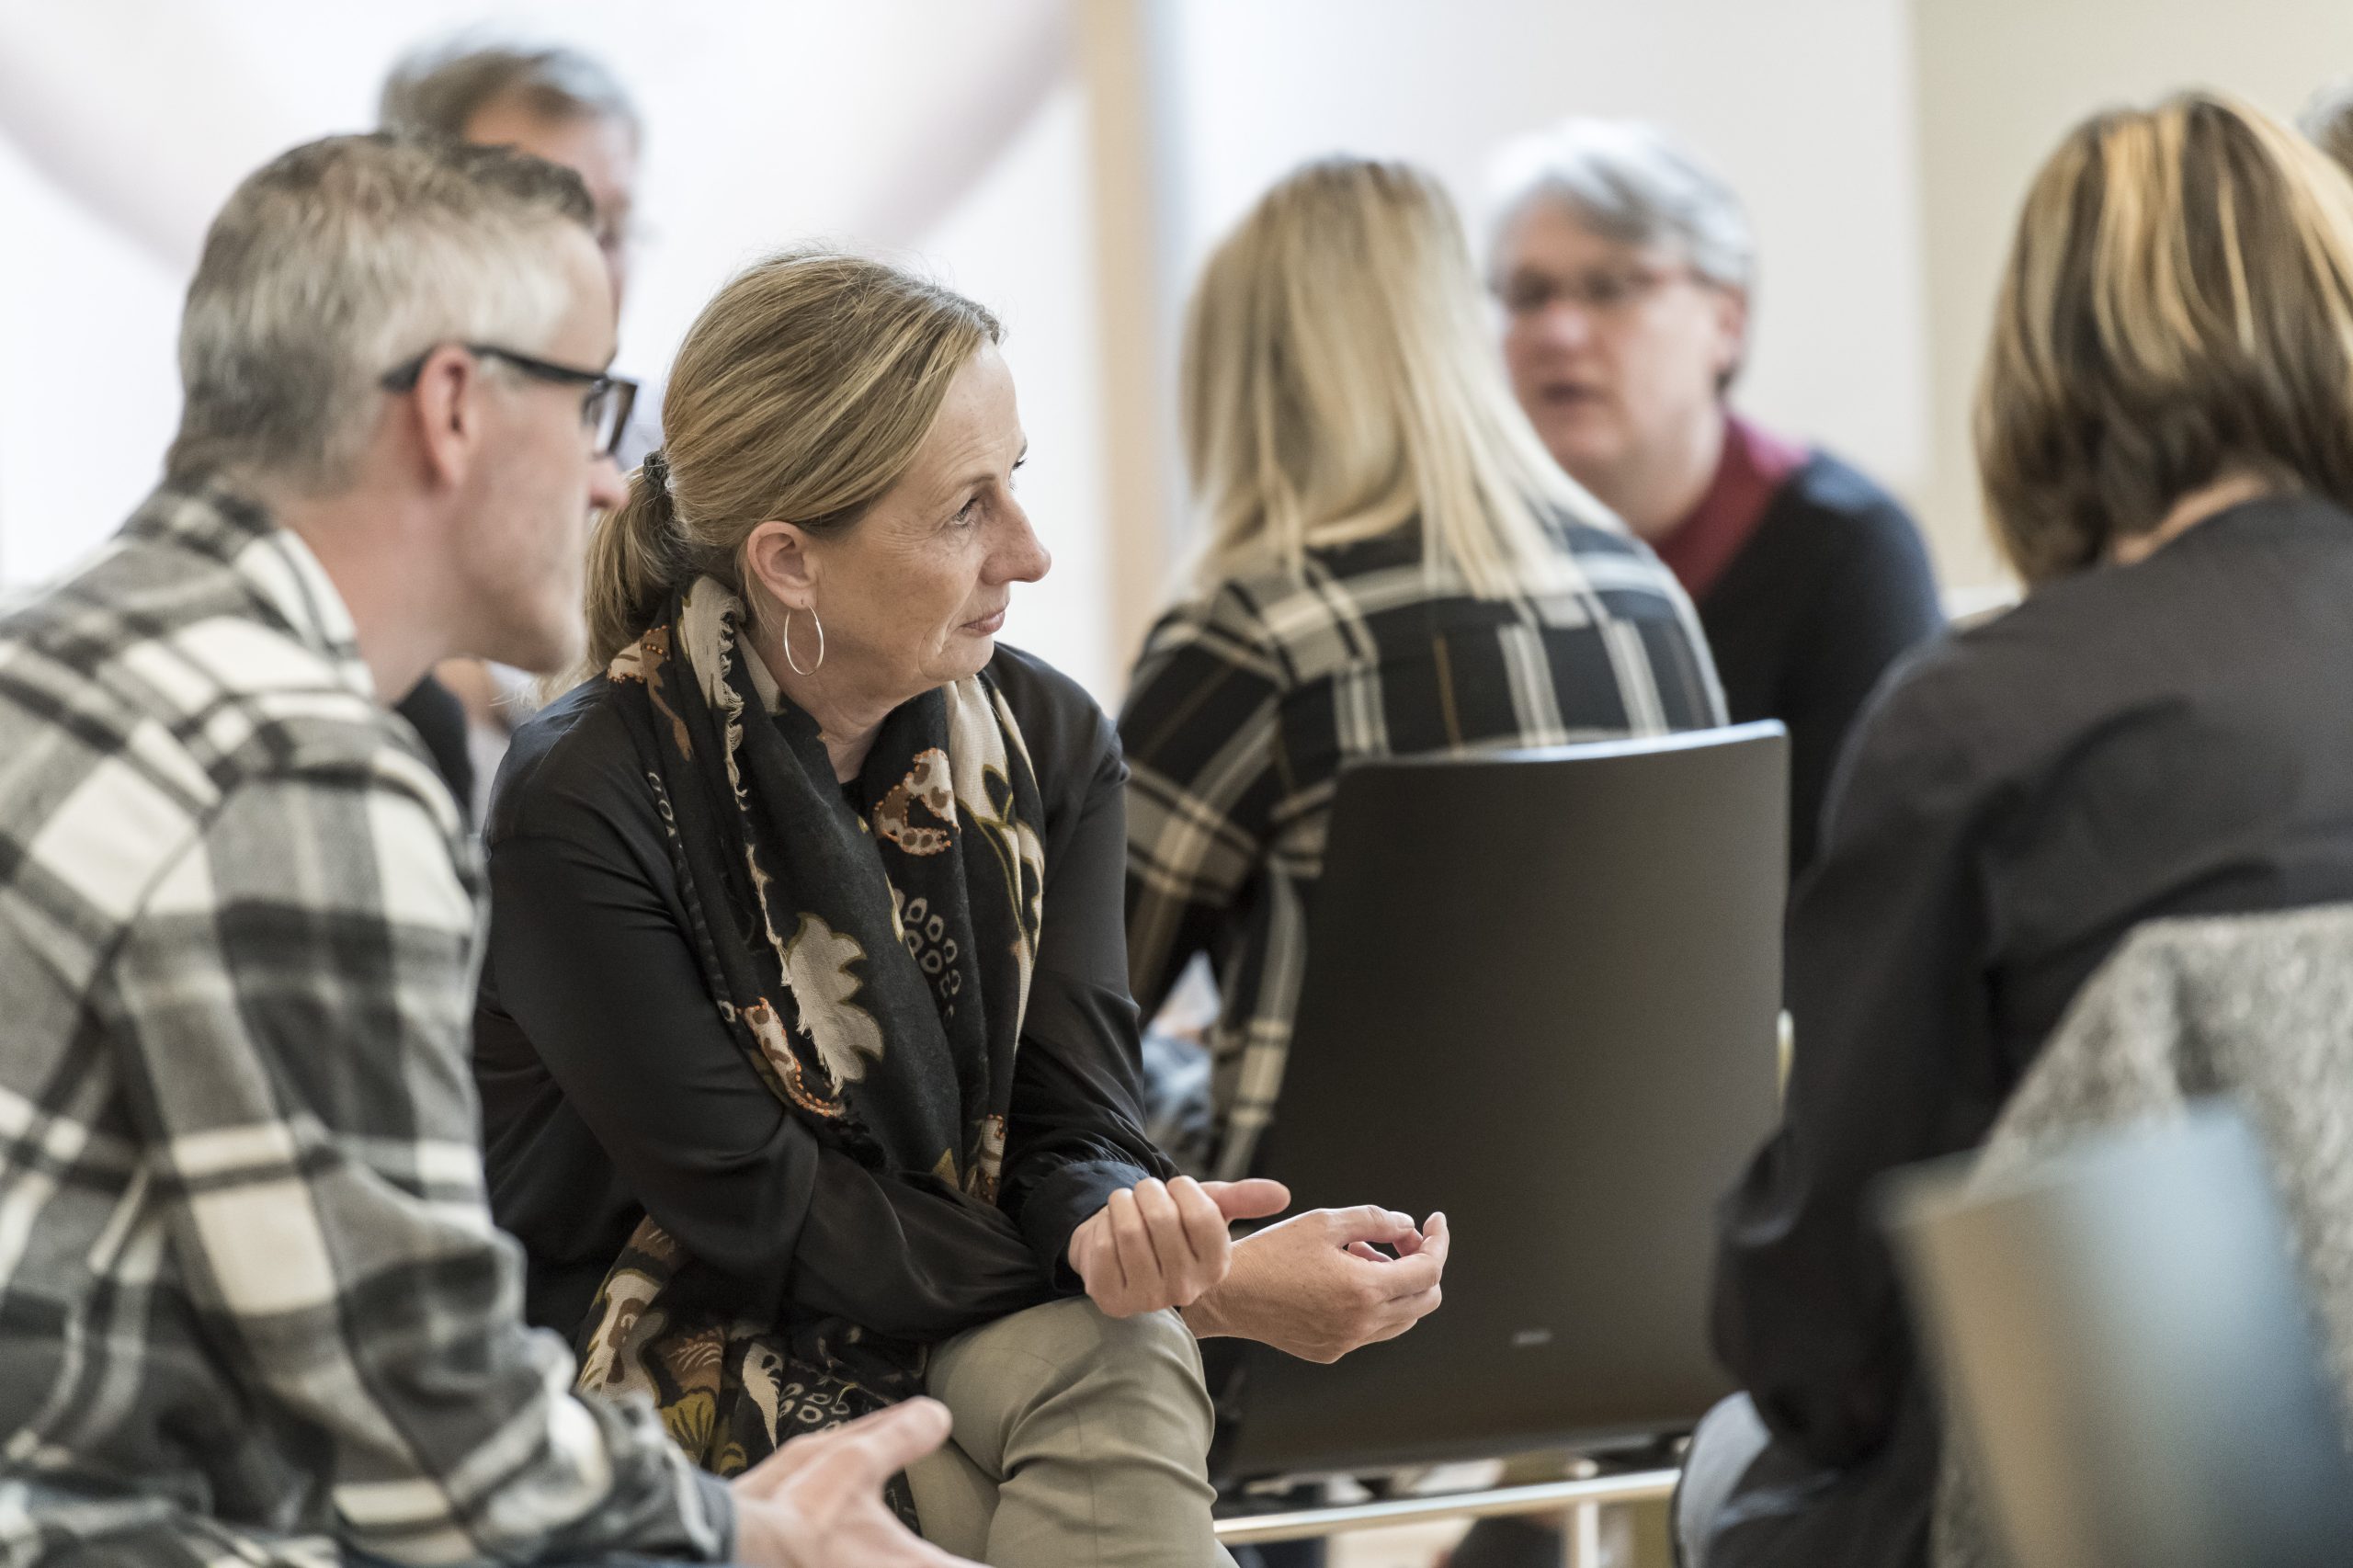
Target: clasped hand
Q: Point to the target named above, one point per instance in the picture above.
(1316, 1286)
(1164, 1243)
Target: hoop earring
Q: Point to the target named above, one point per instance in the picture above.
(794, 663)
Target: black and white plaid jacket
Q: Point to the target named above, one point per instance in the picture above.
(251, 1306)
(1249, 700)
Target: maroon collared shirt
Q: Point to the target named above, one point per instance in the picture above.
(1754, 466)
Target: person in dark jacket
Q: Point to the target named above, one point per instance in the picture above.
(805, 1046)
(2165, 436)
(1624, 268)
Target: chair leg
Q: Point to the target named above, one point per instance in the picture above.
(1581, 1537)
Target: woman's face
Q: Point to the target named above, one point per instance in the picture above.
(1614, 350)
(913, 594)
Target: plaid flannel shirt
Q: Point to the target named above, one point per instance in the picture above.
(1249, 700)
(251, 1306)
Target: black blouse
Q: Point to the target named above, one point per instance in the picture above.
(2163, 739)
(612, 1090)
(1832, 590)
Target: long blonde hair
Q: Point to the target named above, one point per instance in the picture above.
(801, 393)
(1340, 382)
(2177, 308)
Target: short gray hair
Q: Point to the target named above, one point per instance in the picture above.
(1629, 182)
(333, 263)
(439, 87)
(2328, 121)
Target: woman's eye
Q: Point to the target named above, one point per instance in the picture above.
(967, 513)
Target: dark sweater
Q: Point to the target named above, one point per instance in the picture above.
(1830, 590)
(440, 720)
(611, 1090)
(2161, 739)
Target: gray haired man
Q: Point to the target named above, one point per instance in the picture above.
(549, 100)
(251, 1306)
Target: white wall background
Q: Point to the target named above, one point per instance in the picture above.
(1882, 147)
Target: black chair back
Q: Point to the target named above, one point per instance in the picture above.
(1540, 995)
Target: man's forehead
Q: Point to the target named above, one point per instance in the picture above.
(588, 329)
(587, 137)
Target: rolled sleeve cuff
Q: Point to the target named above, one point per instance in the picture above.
(1060, 1202)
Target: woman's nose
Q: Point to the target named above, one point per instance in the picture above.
(1023, 556)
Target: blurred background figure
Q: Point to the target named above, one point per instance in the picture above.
(1624, 268)
(552, 102)
(1393, 565)
(565, 106)
(2328, 120)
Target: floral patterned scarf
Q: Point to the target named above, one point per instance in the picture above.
(874, 970)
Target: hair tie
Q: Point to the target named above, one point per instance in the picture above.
(656, 470)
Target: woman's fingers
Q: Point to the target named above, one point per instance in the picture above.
(1436, 1240)
(1190, 1246)
(1385, 1226)
(1163, 1227)
(1137, 1261)
(1256, 1198)
(1412, 1274)
(1109, 1269)
(1205, 1233)
(1405, 1312)
(1406, 1276)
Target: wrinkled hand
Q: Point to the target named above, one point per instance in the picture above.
(1315, 1288)
(817, 1502)
(1163, 1244)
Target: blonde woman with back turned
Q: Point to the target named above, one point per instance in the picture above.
(2165, 433)
(1392, 565)
(804, 1039)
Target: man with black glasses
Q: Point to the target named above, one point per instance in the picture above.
(252, 1305)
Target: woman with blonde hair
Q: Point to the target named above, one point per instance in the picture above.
(2165, 432)
(803, 1041)
(1392, 564)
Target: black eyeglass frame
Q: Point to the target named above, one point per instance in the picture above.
(402, 378)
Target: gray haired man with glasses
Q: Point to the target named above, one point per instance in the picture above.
(255, 1308)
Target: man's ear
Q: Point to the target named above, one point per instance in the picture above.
(776, 556)
(447, 414)
(1732, 327)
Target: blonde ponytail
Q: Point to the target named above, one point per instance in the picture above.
(637, 558)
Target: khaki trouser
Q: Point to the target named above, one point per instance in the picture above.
(1081, 1441)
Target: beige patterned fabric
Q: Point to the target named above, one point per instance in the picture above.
(2258, 1008)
